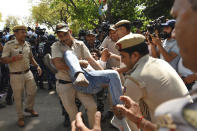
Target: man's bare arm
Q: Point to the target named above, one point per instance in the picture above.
(94, 64)
(117, 57)
(33, 61)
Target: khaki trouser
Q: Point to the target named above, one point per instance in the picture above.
(68, 94)
(20, 83)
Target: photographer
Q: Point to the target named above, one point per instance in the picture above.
(91, 41)
(40, 43)
(168, 50)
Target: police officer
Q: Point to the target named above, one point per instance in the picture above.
(17, 54)
(149, 81)
(123, 27)
(64, 85)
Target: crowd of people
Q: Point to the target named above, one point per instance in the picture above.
(145, 77)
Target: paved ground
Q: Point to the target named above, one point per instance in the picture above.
(50, 119)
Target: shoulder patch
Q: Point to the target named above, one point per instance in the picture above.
(79, 42)
(10, 42)
(27, 43)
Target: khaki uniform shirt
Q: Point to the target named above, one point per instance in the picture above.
(111, 46)
(78, 48)
(154, 81)
(12, 48)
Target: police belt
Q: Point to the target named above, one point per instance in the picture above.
(64, 82)
(18, 73)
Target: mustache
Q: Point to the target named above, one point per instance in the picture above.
(64, 40)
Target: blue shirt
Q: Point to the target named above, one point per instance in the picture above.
(171, 46)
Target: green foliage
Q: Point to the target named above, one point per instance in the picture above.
(84, 14)
(0, 17)
(157, 8)
(46, 13)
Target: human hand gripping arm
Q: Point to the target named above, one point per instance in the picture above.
(131, 110)
(94, 64)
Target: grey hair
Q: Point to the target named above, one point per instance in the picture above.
(194, 4)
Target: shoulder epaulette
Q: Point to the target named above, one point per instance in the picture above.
(10, 42)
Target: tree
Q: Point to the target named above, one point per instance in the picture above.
(85, 13)
(48, 14)
(157, 8)
(0, 17)
(11, 21)
(28, 21)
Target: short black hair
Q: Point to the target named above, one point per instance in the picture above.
(141, 48)
(97, 52)
(194, 4)
(127, 26)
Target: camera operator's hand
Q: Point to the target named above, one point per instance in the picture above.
(83, 63)
(105, 55)
(17, 58)
(78, 125)
(156, 40)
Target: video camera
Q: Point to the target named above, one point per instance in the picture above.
(155, 25)
(40, 31)
(105, 28)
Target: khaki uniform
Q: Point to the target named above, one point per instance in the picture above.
(111, 46)
(152, 82)
(67, 92)
(21, 82)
